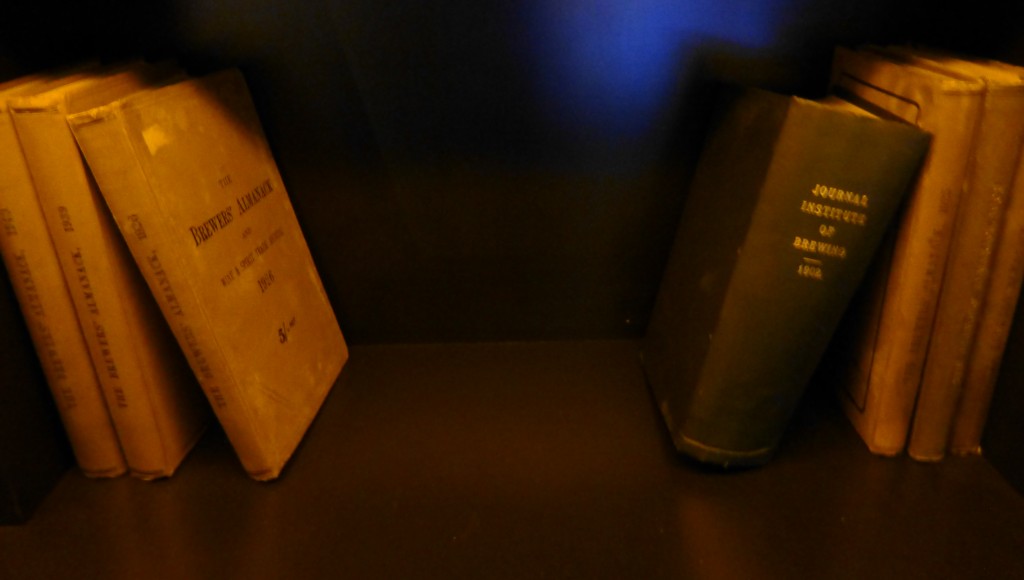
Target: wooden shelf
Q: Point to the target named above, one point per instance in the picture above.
(472, 173)
(526, 460)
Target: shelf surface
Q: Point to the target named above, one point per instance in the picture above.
(526, 460)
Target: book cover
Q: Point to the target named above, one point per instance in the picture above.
(156, 406)
(789, 203)
(34, 269)
(979, 221)
(191, 181)
(895, 314)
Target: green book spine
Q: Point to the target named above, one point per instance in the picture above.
(789, 204)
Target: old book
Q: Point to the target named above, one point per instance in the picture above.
(893, 319)
(997, 311)
(789, 203)
(190, 179)
(157, 408)
(46, 304)
(992, 165)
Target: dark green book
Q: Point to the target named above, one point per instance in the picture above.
(789, 204)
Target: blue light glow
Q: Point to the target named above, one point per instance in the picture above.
(613, 65)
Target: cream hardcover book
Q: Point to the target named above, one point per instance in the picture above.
(192, 184)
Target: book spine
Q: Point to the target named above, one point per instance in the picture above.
(94, 264)
(995, 321)
(125, 186)
(978, 223)
(911, 297)
(46, 304)
(767, 347)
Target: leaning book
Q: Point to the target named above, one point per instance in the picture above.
(191, 182)
(790, 201)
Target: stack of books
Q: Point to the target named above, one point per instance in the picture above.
(156, 258)
(794, 237)
(927, 337)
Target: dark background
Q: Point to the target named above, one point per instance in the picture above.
(480, 170)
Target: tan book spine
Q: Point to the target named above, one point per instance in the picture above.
(46, 303)
(133, 351)
(979, 221)
(881, 405)
(240, 291)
